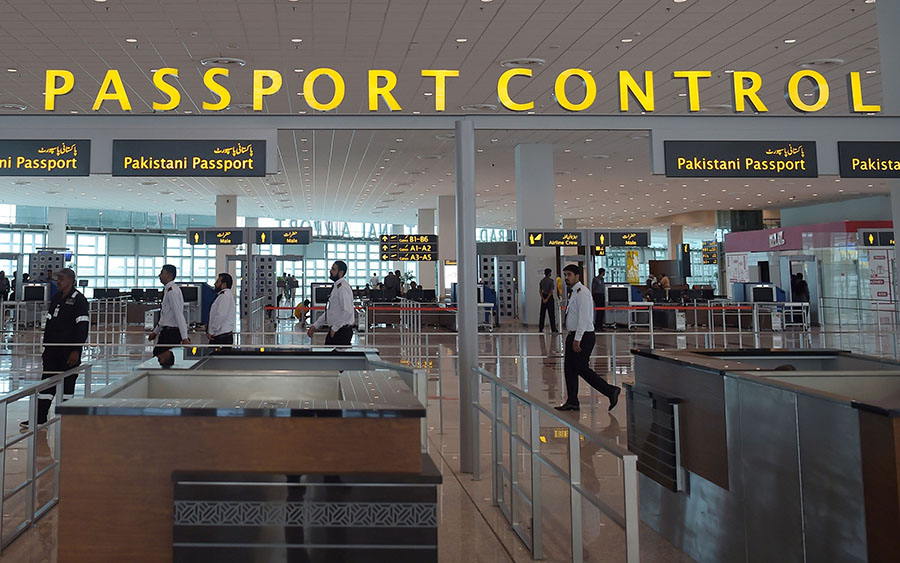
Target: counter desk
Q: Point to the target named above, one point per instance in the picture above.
(282, 416)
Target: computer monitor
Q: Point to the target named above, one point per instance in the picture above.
(707, 293)
(137, 294)
(415, 294)
(151, 294)
(676, 295)
(694, 294)
(376, 295)
(429, 295)
(36, 292)
(322, 294)
(191, 293)
(618, 294)
(763, 294)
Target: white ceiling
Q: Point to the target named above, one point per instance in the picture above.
(344, 175)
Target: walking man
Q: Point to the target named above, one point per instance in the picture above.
(598, 291)
(172, 328)
(580, 343)
(548, 303)
(68, 321)
(339, 315)
(220, 329)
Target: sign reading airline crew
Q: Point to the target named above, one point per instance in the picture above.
(409, 248)
(221, 235)
(741, 159)
(45, 158)
(869, 159)
(189, 158)
(299, 235)
(553, 238)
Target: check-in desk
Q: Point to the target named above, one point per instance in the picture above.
(152, 463)
(768, 455)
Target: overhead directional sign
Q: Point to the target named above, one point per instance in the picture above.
(299, 235)
(409, 248)
(741, 159)
(876, 238)
(221, 235)
(710, 252)
(622, 238)
(685, 260)
(598, 250)
(869, 159)
(45, 158)
(553, 238)
(181, 158)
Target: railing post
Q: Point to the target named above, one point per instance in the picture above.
(537, 523)
(496, 401)
(575, 496)
(476, 438)
(3, 416)
(513, 460)
(632, 520)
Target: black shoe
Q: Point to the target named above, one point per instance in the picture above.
(614, 400)
(567, 407)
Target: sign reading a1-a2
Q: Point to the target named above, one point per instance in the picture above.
(869, 159)
(188, 158)
(45, 158)
(741, 159)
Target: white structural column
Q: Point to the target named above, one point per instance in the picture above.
(447, 236)
(888, 16)
(676, 237)
(226, 216)
(427, 275)
(467, 312)
(56, 221)
(534, 210)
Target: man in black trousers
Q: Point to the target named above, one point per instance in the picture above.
(580, 343)
(68, 321)
(548, 303)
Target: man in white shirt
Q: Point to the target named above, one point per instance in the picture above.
(339, 315)
(220, 328)
(172, 328)
(580, 343)
(373, 281)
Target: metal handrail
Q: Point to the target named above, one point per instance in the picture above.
(33, 513)
(629, 522)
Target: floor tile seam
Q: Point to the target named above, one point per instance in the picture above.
(462, 487)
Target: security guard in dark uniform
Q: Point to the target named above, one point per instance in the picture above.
(68, 321)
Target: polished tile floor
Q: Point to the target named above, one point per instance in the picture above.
(471, 529)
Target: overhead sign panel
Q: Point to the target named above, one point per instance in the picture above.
(409, 248)
(300, 235)
(45, 158)
(598, 250)
(869, 159)
(876, 238)
(222, 235)
(622, 238)
(553, 238)
(710, 252)
(741, 159)
(188, 158)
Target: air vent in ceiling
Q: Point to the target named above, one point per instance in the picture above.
(478, 107)
(222, 61)
(821, 63)
(13, 107)
(445, 136)
(522, 61)
(430, 156)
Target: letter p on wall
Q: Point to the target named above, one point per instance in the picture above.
(52, 90)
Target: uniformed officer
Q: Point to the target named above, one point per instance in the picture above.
(339, 315)
(580, 343)
(172, 328)
(220, 328)
(68, 320)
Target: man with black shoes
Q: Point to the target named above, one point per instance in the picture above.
(68, 321)
(172, 327)
(580, 343)
(548, 303)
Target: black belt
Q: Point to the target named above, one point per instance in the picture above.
(223, 334)
(170, 328)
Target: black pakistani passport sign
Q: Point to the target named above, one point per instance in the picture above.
(178, 158)
(56, 157)
(869, 159)
(741, 159)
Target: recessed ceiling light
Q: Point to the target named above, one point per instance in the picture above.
(461, 39)
(790, 41)
(296, 40)
(12, 70)
(208, 61)
(429, 93)
(522, 61)
(130, 40)
(872, 71)
(729, 71)
(627, 40)
(298, 70)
